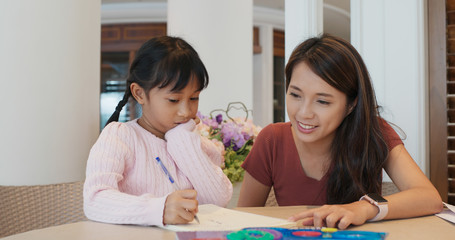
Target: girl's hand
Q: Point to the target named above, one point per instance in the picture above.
(197, 120)
(340, 216)
(187, 127)
(180, 207)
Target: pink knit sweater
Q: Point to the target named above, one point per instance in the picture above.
(125, 185)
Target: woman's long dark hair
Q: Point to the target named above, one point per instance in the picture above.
(358, 150)
(160, 62)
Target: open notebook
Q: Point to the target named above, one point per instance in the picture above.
(447, 214)
(214, 218)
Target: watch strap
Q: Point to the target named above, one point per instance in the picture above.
(383, 208)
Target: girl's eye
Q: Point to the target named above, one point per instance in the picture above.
(173, 100)
(194, 99)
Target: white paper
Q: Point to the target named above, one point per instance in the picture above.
(447, 214)
(214, 218)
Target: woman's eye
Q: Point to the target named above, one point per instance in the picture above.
(323, 102)
(173, 100)
(294, 94)
(194, 99)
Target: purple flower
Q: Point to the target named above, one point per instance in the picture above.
(232, 135)
(246, 136)
(239, 143)
(219, 118)
(227, 133)
(212, 123)
(208, 121)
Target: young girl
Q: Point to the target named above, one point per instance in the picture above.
(125, 182)
(335, 146)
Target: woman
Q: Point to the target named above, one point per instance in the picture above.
(335, 146)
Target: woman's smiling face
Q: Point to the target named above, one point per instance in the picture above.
(315, 108)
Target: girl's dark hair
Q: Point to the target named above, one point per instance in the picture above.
(358, 150)
(161, 62)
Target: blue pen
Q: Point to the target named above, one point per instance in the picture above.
(167, 173)
(174, 184)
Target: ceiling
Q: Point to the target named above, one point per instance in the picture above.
(275, 4)
(335, 11)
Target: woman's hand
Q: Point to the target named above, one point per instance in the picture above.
(340, 216)
(180, 207)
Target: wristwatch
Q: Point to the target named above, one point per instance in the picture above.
(378, 201)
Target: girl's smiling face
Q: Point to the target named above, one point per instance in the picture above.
(315, 108)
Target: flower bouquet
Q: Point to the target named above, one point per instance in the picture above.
(235, 136)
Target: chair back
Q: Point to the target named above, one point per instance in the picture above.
(389, 188)
(25, 208)
(271, 200)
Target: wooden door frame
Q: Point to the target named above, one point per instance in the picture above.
(437, 89)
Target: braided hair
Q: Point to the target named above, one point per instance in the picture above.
(160, 62)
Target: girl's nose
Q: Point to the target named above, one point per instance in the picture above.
(184, 110)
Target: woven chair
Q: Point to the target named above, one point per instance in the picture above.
(271, 200)
(25, 208)
(389, 188)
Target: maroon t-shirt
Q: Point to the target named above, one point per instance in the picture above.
(274, 161)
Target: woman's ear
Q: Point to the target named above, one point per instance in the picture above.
(352, 106)
(138, 93)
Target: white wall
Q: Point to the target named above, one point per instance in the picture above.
(133, 12)
(391, 37)
(49, 64)
(303, 19)
(224, 43)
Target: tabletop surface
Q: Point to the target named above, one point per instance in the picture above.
(427, 227)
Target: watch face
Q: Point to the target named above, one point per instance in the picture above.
(378, 198)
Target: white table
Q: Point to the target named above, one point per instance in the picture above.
(425, 228)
